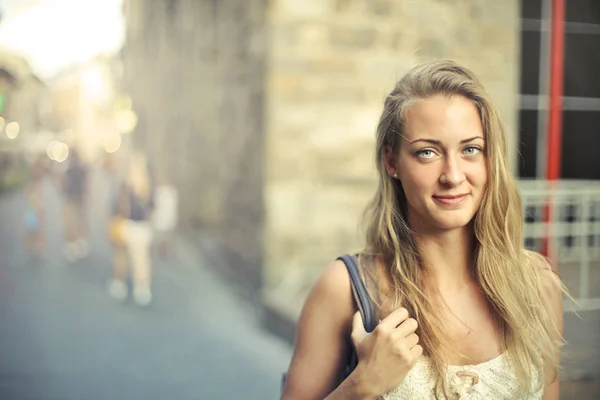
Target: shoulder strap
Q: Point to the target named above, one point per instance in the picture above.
(363, 301)
(361, 296)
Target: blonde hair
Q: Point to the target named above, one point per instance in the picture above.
(138, 177)
(508, 275)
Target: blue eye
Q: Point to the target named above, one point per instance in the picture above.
(425, 153)
(471, 150)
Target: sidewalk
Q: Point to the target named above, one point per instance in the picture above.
(63, 337)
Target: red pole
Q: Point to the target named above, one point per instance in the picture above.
(557, 50)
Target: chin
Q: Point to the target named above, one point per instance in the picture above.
(454, 222)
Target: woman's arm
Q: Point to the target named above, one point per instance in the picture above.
(322, 345)
(552, 292)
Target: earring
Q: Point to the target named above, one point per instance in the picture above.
(395, 175)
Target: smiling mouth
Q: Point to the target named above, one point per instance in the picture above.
(451, 200)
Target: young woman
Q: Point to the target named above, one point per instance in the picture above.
(465, 312)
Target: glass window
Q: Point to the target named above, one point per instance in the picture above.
(586, 11)
(527, 143)
(580, 144)
(530, 62)
(531, 9)
(582, 63)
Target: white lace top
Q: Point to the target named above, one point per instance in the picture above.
(491, 380)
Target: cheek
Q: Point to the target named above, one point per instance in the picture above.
(480, 176)
(418, 183)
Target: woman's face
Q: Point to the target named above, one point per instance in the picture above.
(441, 163)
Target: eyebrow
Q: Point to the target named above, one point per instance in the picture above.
(437, 142)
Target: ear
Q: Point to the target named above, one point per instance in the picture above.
(391, 161)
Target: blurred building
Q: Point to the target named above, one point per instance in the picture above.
(255, 105)
(84, 101)
(24, 112)
(23, 102)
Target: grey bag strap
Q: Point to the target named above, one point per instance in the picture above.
(363, 302)
(361, 296)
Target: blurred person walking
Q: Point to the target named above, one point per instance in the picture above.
(75, 189)
(35, 243)
(131, 233)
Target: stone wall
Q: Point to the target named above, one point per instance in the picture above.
(331, 64)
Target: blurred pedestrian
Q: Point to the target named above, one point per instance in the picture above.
(35, 242)
(131, 232)
(75, 189)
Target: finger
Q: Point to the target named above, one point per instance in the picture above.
(358, 327)
(407, 327)
(395, 318)
(411, 340)
(416, 351)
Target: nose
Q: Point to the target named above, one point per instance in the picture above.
(452, 173)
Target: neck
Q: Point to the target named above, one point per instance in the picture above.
(448, 257)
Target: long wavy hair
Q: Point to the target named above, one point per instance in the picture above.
(508, 275)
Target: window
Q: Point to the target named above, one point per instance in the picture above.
(581, 89)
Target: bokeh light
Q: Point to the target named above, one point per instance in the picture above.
(57, 151)
(12, 130)
(94, 84)
(61, 152)
(112, 143)
(126, 121)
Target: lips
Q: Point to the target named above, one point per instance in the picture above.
(451, 199)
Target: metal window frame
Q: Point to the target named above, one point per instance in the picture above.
(539, 102)
(576, 28)
(570, 103)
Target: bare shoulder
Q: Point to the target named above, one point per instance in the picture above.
(323, 336)
(333, 292)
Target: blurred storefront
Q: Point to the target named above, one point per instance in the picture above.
(67, 91)
(89, 109)
(24, 102)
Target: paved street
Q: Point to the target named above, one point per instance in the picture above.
(62, 337)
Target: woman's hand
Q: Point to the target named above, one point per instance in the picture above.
(387, 354)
